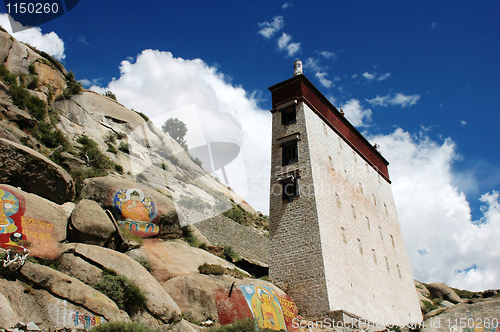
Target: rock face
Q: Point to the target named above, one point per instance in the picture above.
(175, 258)
(73, 290)
(444, 292)
(159, 303)
(34, 220)
(136, 207)
(90, 224)
(422, 289)
(8, 316)
(480, 316)
(33, 172)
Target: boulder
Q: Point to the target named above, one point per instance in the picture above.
(90, 224)
(73, 290)
(22, 118)
(41, 224)
(68, 161)
(444, 292)
(422, 289)
(47, 310)
(175, 258)
(79, 268)
(141, 209)
(35, 173)
(4, 133)
(193, 293)
(8, 318)
(481, 316)
(447, 304)
(159, 303)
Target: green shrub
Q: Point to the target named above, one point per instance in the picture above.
(112, 149)
(110, 94)
(118, 168)
(22, 99)
(124, 147)
(193, 203)
(46, 262)
(32, 69)
(235, 214)
(428, 307)
(145, 263)
(211, 269)
(188, 236)
(121, 290)
(110, 137)
(165, 152)
(127, 233)
(121, 327)
(33, 83)
(73, 87)
(121, 135)
(230, 254)
(49, 136)
(90, 153)
(6, 76)
(144, 116)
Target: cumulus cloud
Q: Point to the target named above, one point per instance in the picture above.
(268, 29)
(285, 45)
(444, 244)
(49, 42)
(328, 55)
(384, 77)
(163, 86)
(323, 80)
(286, 5)
(397, 100)
(355, 113)
(369, 76)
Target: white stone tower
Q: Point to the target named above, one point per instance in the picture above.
(335, 239)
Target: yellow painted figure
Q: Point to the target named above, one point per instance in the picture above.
(267, 310)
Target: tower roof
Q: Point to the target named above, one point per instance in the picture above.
(301, 89)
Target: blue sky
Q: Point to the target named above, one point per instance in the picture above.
(421, 78)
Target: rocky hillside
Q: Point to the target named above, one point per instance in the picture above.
(105, 218)
(98, 213)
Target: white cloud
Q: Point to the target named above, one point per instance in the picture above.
(284, 44)
(384, 77)
(433, 25)
(286, 5)
(463, 122)
(355, 113)
(214, 110)
(328, 55)
(323, 80)
(269, 29)
(49, 42)
(369, 76)
(397, 100)
(443, 243)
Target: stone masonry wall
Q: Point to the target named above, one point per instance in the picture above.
(296, 259)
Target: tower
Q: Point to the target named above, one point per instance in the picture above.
(335, 239)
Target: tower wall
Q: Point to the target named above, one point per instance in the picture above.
(337, 246)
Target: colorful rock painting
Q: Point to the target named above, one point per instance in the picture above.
(136, 210)
(12, 208)
(86, 321)
(270, 310)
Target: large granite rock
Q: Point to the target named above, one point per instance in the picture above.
(6, 42)
(480, 316)
(443, 291)
(143, 210)
(40, 223)
(79, 268)
(159, 303)
(170, 259)
(8, 317)
(420, 287)
(34, 173)
(90, 224)
(48, 76)
(73, 290)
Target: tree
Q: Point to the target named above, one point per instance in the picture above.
(110, 95)
(176, 129)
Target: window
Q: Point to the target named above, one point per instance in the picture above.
(288, 116)
(290, 153)
(290, 188)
